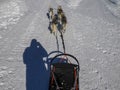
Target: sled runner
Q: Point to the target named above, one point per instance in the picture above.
(63, 74)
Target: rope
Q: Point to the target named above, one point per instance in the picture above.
(63, 48)
(63, 42)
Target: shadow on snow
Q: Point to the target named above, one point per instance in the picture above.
(37, 75)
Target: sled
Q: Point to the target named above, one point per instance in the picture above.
(64, 75)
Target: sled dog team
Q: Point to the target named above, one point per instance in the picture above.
(57, 21)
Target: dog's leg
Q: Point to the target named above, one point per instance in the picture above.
(54, 29)
(51, 27)
(50, 16)
(64, 28)
(60, 19)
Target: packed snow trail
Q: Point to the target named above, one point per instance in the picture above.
(92, 36)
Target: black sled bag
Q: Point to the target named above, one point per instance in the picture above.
(64, 75)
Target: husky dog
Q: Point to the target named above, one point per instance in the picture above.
(51, 14)
(54, 24)
(63, 22)
(59, 12)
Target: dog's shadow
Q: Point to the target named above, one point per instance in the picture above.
(49, 27)
(48, 15)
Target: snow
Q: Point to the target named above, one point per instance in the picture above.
(10, 13)
(114, 7)
(1, 84)
(92, 36)
(0, 37)
(73, 4)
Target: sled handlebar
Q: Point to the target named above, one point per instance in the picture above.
(65, 55)
(54, 52)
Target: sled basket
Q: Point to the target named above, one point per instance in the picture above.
(64, 75)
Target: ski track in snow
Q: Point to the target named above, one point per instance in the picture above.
(113, 6)
(95, 42)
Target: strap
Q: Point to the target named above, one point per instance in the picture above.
(63, 42)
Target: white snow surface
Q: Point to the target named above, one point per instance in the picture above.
(73, 4)
(113, 6)
(92, 36)
(10, 12)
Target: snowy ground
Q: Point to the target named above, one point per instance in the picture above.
(93, 36)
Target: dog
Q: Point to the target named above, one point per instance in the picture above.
(51, 14)
(59, 12)
(54, 24)
(63, 22)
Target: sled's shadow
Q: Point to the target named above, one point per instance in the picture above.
(37, 74)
